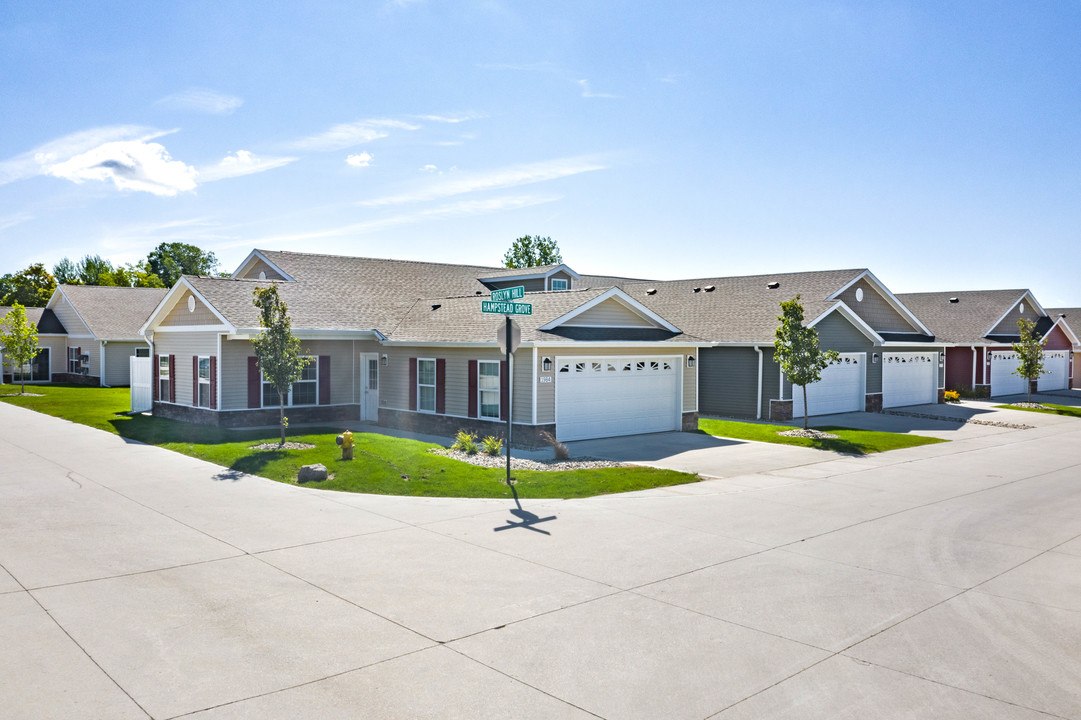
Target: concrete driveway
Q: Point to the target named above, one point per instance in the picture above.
(939, 582)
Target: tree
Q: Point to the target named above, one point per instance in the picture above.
(66, 273)
(796, 350)
(94, 270)
(171, 260)
(277, 348)
(20, 341)
(1029, 349)
(31, 287)
(532, 250)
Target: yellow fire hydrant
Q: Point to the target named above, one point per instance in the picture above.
(346, 441)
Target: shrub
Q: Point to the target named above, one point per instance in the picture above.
(559, 450)
(492, 445)
(466, 442)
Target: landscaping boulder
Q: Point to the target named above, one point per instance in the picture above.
(312, 473)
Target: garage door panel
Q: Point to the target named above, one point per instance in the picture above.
(605, 397)
(909, 379)
(841, 388)
(1003, 379)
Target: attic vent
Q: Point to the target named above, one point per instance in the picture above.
(436, 307)
(773, 285)
(954, 300)
(710, 288)
(698, 289)
(1062, 315)
(651, 291)
(480, 292)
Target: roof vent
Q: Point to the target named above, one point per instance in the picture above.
(710, 288)
(651, 291)
(773, 285)
(436, 307)
(480, 292)
(698, 289)
(954, 300)
(1062, 315)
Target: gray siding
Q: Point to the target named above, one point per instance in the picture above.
(180, 315)
(1008, 326)
(837, 333)
(875, 310)
(728, 381)
(259, 266)
(522, 409)
(530, 284)
(117, 362)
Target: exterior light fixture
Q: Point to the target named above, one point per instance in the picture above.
(690, 361)
(546, 364)
(874, 358)
(384, 361)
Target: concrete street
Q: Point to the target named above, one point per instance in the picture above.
(934, 582)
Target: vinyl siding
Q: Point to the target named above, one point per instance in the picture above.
(89, 345)
(1008, 326)
(875, 310)
(610, 313)
(58, 358)
(562, 276)
(184, 345)
(837, 333)
(530, 285)
(69, 318)
(522, 408)
(728, 381)
(180, 315)
(259, 266)
(117, 363)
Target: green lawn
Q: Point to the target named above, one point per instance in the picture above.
(383, 465)
(1067, 410)
(856, 442)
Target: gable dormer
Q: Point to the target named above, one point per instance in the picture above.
(257, 267)
(545, 278)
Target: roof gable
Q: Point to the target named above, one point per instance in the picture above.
(258, 267)
(612, 308)
(1024, 307)
(869, 298)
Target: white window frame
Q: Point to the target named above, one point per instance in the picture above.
(434, 385)
(203, 381)
(74, 365)
(482, 390)
(313, 363)
(566, 284)
(163, 377)
(15, 379)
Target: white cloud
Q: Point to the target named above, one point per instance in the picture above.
(11, 221)
(242, 162)
(32, 163)
(360, 160)
(130, 165)
(429, 169)
(203, 101)
(346, 135)
(493, 180)
(587, 91)
(452, 119)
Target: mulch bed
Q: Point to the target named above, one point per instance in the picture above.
(809, 433)
(286, 446)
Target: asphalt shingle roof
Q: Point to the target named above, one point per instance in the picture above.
(965, 321)
(113, 313)
(44, 319)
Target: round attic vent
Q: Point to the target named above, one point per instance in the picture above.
(262, 274)
(859, 294)
(191, 303)
(1022, 307)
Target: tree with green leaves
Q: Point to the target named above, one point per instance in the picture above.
(277, 348)
(31, 287)
(1029, 349)
(20, 340)
(171, 260)
(531, 251)
(795, 349)
(66, 273)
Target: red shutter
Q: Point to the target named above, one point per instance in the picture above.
(172, 378)
(324, 379)
(214, 382)
(504, 391)
(255, 383)
(156, 362)
(441, 386)
(194, 380)
(473, 388)
(412, 383)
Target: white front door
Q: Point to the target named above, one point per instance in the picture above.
(1003, 379)
(1056, 363)
(840, 390)
(909, 378)
(369, 387)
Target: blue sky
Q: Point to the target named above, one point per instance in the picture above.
(935, 143)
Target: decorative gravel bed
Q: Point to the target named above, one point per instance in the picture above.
(22, 395)
(1030, 406)
(500, 461)
(286, 446)
(959, 421)
(809, 433)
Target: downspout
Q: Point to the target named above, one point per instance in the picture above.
(758, 409)
(973, 368)
(101, 363)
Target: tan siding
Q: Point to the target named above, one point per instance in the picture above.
(875, 310)
(546, 396)
(180, 315)
(184, 346)
(522, 409)
(234, 374)
(259, 266)
(88, 346)
(69, 318)
(117, 362)
(609, 313)
(1008, 326)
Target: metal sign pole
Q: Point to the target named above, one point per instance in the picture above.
(510, 399)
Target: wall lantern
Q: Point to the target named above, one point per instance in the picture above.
(384, 361)
(874, 358)
(546, 364)
(690, 361)
(941, 359)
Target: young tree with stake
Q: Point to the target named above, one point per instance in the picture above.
(1029, 349)
(277, 348)
(796, 350)
(20, 340)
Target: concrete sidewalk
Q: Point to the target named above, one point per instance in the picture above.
(933, 582)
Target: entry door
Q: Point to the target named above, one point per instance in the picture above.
(369, 384)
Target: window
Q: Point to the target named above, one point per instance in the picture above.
(163, 377)
(142, 352)
(559, 284)
(426, 385)
(73, 360)
(488, 387)
(303, 392)
(204, 382)
(37, 370)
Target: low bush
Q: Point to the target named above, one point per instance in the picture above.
(466, 442)
(492, 445)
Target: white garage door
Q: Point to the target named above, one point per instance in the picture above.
(1057, 362)
(1003, 380)
(606, 397)
(841, 388)
(909, 379)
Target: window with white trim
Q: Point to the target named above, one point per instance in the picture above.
(142, 352)
(73, 360)
(37, 370)
(204, 382)
(559, 284)
(426, 385)
(488, 389)
(163, 378)
(303, 392)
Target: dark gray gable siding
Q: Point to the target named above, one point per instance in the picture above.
(837, 333)
(727, 381)
(875, 310)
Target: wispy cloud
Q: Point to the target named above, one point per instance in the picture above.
(360, 160)
(429, 169)
(537, 66)
(11, 221)
(202, 100)
(587, 91)
(34, 162)
(242, 162)
(129, 165)
(452, 119)
(493, 180)
(347, 135)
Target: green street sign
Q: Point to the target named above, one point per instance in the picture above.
(506, 308)
(514, 293)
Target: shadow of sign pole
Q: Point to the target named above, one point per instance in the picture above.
(528, 519)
